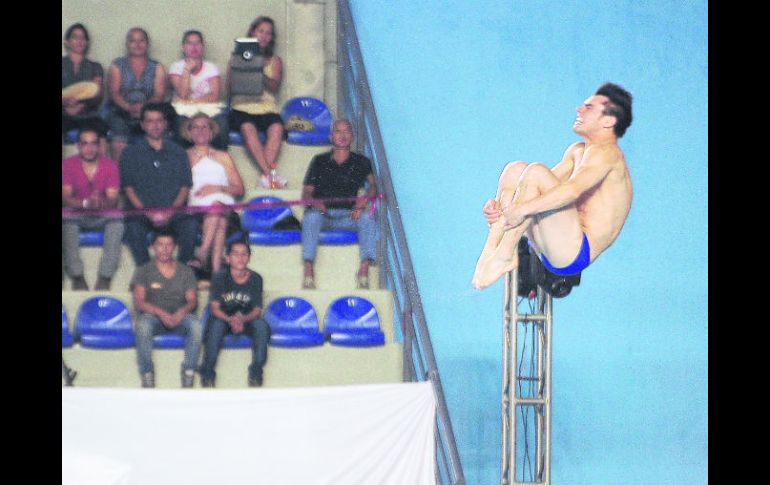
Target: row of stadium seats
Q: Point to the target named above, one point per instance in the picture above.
(104, 322)
(308, 121)
(259, 222)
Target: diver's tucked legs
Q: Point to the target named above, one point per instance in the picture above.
(534, 180)
(507, 185)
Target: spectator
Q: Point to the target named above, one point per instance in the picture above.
(133, 81)
(251, 114)
(165, 296)
(78, 112)
(196, 84)
(339, 173)
(155, 174)
(90, 181)
(216, 182)
(235, 301)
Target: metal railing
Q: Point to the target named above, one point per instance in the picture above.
(396, 272)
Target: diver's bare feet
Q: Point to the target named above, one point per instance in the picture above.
(492, 265)
(495, 261)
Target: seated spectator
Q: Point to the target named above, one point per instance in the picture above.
(165, 296)
(339, 173)
(90, 181)
(78, 112)
(216, 182)
(250, 114)
(196, 84)
(155, 175)
(235, 300)
(133, 81)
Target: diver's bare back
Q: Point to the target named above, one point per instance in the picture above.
(603, 209)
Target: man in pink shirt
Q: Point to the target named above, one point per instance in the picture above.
(90, 181)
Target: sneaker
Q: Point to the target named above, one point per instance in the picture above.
(308, 283)
(272, 181)
(207, 381)
(188, 378)
(103, 284)
(255, 380)
(79, 283)
(148, 379)
(362, 282)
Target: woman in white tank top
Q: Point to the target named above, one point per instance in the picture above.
(216, 182)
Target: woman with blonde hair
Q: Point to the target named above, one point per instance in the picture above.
(216, 182)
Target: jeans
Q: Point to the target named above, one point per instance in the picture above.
(148, 326)
(113, 237)
(314, 222)
(138, 227)
(258, 330)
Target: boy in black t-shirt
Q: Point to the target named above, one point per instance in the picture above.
(235, 303)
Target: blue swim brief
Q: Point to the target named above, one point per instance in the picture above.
(581, 262)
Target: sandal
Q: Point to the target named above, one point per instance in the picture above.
(308, 283)
(362, 282)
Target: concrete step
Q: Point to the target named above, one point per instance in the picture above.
(293, 161)
(324, 365)
(320, 299)
(279, 266)
(314, 366)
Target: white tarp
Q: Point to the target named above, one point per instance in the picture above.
(341, 435)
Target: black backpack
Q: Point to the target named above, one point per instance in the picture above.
(246, 64)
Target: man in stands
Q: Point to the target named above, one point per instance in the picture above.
(90, 181)
(155, 173)
(165, 296)
(339, 174)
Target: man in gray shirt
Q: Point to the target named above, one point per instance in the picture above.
(165, 296)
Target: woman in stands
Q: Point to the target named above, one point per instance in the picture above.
(250, 114)
(78, 111)
(133, 81)
(196, 83)
(216, 182)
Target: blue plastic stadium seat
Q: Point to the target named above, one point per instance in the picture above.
(230, 341)
(236, 341)
(91, 238)
(338, 238)
(258, 222)
(293, 322)
(66, 337)
(235, 138)
(275, 238)
(168, 341)
(352, 321)
(307, 120)
(263, 218)
(71, 137)
(104, 322)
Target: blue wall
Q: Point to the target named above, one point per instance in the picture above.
(463, 87)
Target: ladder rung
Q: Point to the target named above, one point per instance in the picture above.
(528, 401)
(531, 318)
(523, 378)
